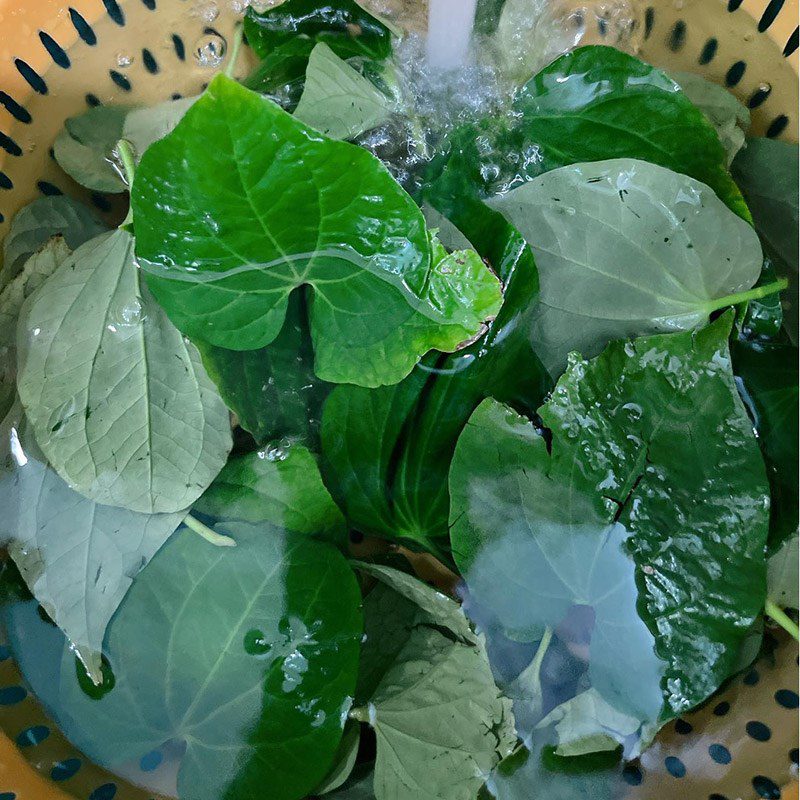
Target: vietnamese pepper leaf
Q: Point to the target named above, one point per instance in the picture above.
(768, 375)
(337, 100)
(346, 27)
(84, 148)
(345, 760)
(765, 170)
(253, 684)
(638, 434)
(273, 390)
(118, 400)
(281, 486)
(626, 248)
(143, 126)
(78, 558)
(783, 575)
(282, 73)
(223, 262)
(598, 103)
(40, 221)
(730, 118)
(37, 269)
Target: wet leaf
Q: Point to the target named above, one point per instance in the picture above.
(40, 221)
(782, 575)
(626, 248)
(253, 684)
(84, 148)
(118, 401)
(223, 262)
(337, 100)
(144, 126)
(638, 434)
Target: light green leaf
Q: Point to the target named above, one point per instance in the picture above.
(606, 515)
(440, 721)
(782, 575)
(345, 759)
(77, 557)
(144, 126)
(41, 220)
(281, 485)
(118, 400)
(526, 691)
(437, 607)
(730, 118)
(246, 655)
(626, 248)
(223, 258)
(84, 149)
(588, 724)
(37, 269)
(337, 100)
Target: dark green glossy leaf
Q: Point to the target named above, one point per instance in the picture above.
(282, 72)
(768, 375)
(247, 655)
(346, 27)
(219, 236)
(279, 485)
(638, 434)
(387, 451)
(273, 390)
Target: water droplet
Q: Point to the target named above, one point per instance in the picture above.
(255, 644)
(206, 11)
(133, 312)
(209, 50)
(124, 60)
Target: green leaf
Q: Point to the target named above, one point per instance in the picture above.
(588, 724)
(273, 390)
(637, 435)
(730, 118)
(84, 148)
(598, 103)
(765, 170)
(626, 248)
(37, 269)
(337, 100)
(78, 558)
(359, 790)
(118, 400)
(144, 126)
(440, 721)
(254, 683)
(387, 452)
(281, 74)
(223, 261)
(768, 377)
(279, 485)
(40, 221)
(782, 575)
(347, 28)
(345, 759)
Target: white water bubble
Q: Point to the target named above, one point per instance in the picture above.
(209, 50)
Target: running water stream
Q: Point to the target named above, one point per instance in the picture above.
(449, 32)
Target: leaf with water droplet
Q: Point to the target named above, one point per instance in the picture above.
(359, 241)
(123, 411)
(84, 149)
(626, 248)
(536, 531)
(184, 674)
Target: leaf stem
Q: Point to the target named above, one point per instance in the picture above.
(125, 152)
(238, 38)
(201, 529)
(779, 616)
(360, 714)
(742, 297)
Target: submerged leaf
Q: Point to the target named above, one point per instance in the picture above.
(253, 683)
(119, 402)
(78, 558)
(40, 221)
(637, 435)
(337, 100)
(279, 485)
(224, 262)
(626, 248)
(84, 148)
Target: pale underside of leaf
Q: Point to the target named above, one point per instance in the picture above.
(119, 401)
(782, 575)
